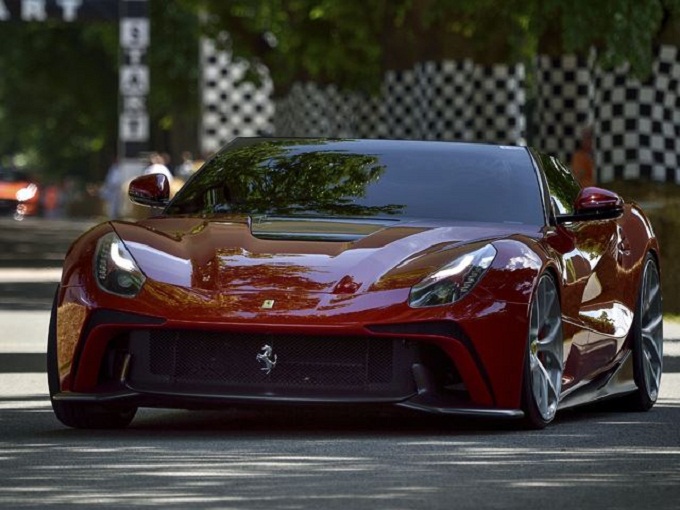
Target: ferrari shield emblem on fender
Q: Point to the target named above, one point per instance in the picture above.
(267, 359)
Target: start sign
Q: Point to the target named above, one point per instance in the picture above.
(65, 10)
(133, 18)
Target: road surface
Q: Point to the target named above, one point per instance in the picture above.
(592, 458)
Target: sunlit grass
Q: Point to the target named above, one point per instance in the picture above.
(671, 317)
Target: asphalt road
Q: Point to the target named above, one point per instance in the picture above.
(306, 458)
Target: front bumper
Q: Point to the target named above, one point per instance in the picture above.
(419, 402)
(464, 366)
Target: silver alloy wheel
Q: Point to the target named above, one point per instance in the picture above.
(546, 349)
(651, 329)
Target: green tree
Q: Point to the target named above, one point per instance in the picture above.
(621, 30)
(59, 85)
(173, 64)
(58, 94)
(59, 90)
(351, 43)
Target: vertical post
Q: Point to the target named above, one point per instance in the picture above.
(133, 126)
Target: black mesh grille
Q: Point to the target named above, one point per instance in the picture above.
(227, 362)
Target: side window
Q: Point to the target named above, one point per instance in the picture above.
(562, 185)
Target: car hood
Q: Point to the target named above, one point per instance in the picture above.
(236, 254)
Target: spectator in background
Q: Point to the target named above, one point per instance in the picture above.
(110, 191)
(167, 161)
(157, 166)
(583, 159)
(186, 167)
(52, 201)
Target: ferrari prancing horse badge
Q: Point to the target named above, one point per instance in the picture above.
(266, 357)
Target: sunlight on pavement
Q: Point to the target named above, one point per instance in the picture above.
(34, 275)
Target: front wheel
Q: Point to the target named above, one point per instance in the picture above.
(646, 340)
(543, 366)
(77, 414)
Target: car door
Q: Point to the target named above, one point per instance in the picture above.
(587, 252)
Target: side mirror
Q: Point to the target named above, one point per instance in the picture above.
(150, 190)
(595, 204)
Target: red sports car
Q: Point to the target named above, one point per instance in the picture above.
(19, 194)
(452, 278)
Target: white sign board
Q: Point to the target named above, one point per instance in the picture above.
(134, 127)
(134, 80)
(134, 33)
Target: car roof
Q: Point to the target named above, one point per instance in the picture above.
(376, 143)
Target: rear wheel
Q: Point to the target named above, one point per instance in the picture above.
(646, 340)
(543, 364)
(77, 414)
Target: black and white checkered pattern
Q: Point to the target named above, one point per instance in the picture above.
(309, 110)
(446, 100)
(564, 103)
(432, 101)
(232, 107)
(636, 124)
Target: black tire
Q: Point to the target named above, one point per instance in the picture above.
(77, 414)
(646, 340)
(545, 347)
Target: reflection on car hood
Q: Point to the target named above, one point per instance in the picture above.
(325, 255)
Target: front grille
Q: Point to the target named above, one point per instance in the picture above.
(186, 360)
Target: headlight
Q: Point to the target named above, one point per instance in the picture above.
(454, 280)
(27, 193)
(114, 268)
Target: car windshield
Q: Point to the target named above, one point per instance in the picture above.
(366, 178)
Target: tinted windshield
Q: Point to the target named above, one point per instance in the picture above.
(366, 178)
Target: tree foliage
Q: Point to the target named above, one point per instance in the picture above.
(59, 90)
(59, 86)
(58, 93)
(622, 31)
(352, 42)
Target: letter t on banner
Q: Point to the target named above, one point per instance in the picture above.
(133, 126)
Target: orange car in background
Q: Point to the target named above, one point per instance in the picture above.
(19, 194)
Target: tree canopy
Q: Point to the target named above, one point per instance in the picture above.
(352, 42)
(59, 90)
(59, 86)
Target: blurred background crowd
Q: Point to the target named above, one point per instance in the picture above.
(23, 193)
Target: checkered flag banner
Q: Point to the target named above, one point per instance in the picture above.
(446, 100)
(636, 124)
(231, 106)
(433, 101)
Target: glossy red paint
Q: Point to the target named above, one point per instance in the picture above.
(151, 189)
(324, 314)
(221, 273)
(593, 198)
(304, 287)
